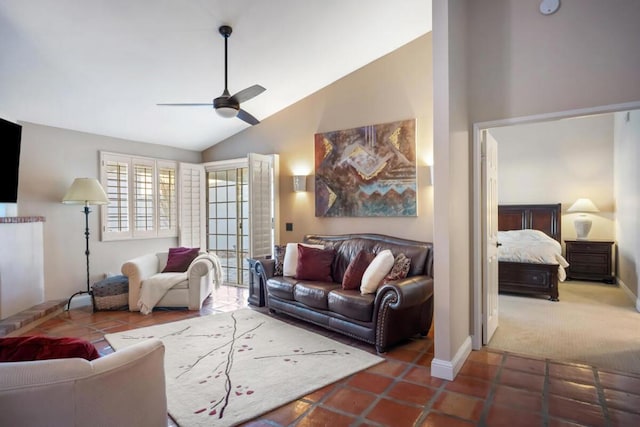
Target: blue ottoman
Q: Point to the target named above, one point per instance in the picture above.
(111, 293)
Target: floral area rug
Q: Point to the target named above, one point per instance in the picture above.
(227, 368)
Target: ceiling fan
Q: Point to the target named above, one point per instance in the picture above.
(227, 105)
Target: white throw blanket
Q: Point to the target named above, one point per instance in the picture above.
(217, 268)
(532, 246)
(155, 287)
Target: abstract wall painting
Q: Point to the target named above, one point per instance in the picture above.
(368, 171)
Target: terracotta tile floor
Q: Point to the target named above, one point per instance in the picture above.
(492, 389)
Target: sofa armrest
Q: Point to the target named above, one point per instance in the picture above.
(137, 270)
(125, 388)
(406, 292)
(199, 268)
(265, 267)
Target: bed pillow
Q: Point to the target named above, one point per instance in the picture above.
(314, 264)
(290, 263)
(376, 272)
(355, 270)
(179, 259)
(400, 269)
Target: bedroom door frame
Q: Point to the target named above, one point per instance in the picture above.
(478, 241)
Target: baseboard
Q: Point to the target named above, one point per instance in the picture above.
(630, 294)
(448, 369)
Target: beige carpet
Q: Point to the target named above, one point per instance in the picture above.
(593, 323)
(228, 368)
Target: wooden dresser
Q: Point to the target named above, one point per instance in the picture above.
(590, 260)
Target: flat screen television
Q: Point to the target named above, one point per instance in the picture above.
(10, 135)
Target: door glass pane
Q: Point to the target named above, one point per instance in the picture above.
(220, 210)
(221, 194)
(227, 194)
(231, 212)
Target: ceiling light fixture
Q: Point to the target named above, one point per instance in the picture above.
(227, 112)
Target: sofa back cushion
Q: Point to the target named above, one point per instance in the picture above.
(347, 247)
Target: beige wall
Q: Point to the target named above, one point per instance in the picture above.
(50, 159)
(627, 191)
(451, 188)
(560, 161)
(518, 63)
(524, 63)
(395, 87)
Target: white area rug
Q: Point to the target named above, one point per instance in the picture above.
(593, 323)
(228, 368)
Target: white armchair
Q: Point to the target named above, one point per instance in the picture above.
(188, 289)
(125, 388)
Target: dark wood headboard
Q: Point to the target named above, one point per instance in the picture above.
(545, 218)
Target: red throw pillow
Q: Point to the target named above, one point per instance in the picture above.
(355, 270)
(20, 349)
(314, 264)
(179, 259)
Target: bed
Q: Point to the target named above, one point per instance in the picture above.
(535, 276)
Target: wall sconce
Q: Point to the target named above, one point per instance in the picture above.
(425, 175)
(299, 183)
(582, 223)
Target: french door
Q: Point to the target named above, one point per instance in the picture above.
(228, 221)
(240, 199)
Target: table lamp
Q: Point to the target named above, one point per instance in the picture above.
(582, 223)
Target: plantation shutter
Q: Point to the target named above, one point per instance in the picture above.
(192, 228)
(261, 204)
(167, 199)
(115, 177)
(143, 198)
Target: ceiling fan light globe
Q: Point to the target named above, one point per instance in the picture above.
(226, 112)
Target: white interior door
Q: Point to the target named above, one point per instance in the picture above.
(489, 236)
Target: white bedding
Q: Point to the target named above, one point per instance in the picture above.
(532, 246)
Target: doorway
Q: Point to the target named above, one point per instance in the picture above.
(480, 291)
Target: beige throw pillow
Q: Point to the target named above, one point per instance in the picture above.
(290, 264)
(376, 272)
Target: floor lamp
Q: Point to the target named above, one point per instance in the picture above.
(85, 191)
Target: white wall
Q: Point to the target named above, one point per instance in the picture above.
(50, 159)
(397, 86)
(560, 161)
(627, 194)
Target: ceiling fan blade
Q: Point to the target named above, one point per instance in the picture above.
(187, 105)
(243, 115)
(248, 93)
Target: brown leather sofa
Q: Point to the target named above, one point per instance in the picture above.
(398, 310)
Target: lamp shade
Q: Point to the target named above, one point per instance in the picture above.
(583, 205)
(86, 191)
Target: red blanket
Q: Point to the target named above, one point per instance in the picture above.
(19, 349)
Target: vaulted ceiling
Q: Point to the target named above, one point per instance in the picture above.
(101, 66)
